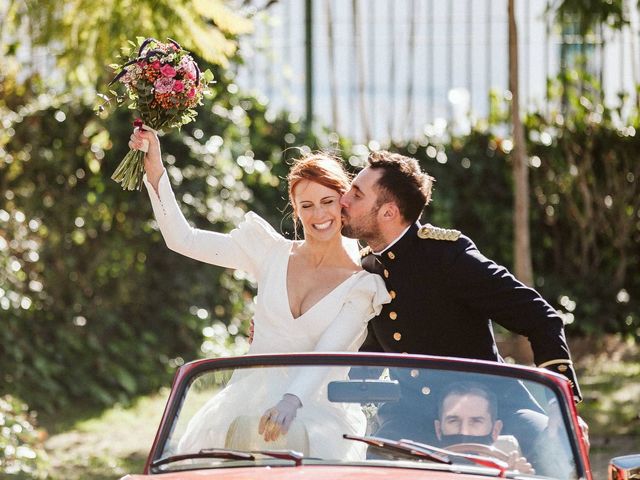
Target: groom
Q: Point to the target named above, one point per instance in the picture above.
(445, 293)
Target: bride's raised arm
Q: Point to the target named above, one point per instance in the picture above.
(244, 248)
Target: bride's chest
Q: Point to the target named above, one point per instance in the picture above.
(288, 293)
(306, 288)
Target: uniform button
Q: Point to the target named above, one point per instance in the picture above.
(562, 368)
(405, 353)
(397, 336)
(391, 255)
(393, 315)
(415, 373)
(386, 273)
(392, 294)
(426, 390)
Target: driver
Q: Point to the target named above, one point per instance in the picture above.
(467, 413)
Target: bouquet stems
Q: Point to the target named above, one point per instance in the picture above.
(130, 171)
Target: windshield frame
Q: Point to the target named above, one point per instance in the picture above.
(558, 384)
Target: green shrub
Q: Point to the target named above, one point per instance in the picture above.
(21, 453)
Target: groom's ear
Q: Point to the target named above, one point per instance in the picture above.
(390, 211)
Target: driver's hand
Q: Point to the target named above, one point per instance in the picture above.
(519, 463)
(277, 420)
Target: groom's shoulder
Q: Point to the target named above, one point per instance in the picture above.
(432, 232)
(441, 243)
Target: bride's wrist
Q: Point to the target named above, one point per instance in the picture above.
(154, 174)
(153, 177)
(292, 399)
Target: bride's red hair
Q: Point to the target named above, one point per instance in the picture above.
(319, 167)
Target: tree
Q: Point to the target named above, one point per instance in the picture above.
(82, 36)
(522, 243)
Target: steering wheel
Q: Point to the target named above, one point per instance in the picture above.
(521, 464)
(479, 449)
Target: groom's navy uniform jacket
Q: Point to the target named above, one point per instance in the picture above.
(445, 295)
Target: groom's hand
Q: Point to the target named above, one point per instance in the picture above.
(277, 420)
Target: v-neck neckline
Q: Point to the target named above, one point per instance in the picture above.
(322, 299)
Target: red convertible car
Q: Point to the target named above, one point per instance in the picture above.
(369, 416)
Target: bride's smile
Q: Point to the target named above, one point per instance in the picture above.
(323, 226)
(318, 208)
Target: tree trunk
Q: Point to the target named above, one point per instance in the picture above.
(522, 245)
(358, 41)
(332, 69)
(308, 67)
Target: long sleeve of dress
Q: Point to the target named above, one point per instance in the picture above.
(346, 332)
(244, 248)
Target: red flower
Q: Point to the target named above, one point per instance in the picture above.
(156, 65)
(191, 93)
(168, 71)
(178, 86)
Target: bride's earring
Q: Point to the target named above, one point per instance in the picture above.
(295, 226)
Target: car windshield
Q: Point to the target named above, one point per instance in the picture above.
(433, 414)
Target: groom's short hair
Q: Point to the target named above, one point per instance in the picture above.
(403, 182)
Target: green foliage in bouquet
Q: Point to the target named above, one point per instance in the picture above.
(163, 84)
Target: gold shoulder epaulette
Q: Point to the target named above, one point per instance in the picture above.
(437, 233)
(365, 251)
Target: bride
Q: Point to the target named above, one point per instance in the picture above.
(312, 296)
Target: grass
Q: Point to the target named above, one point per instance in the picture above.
(610, 382)
(109, 444)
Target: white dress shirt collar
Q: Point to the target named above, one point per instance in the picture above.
(392, 243)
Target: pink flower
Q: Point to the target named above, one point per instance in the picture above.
(156, 65)
(168, 71)
(178, 86)
(191, 93)
(188, 66)
(164, 85)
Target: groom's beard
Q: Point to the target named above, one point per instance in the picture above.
(364, 228)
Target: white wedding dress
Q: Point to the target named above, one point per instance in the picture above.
(338, 322)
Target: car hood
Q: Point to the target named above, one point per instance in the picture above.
(311, 473)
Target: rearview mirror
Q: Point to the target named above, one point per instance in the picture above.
(364, 391)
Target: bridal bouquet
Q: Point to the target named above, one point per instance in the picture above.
(164, 84)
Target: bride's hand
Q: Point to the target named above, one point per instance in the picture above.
(152, 160)
(277, 420)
